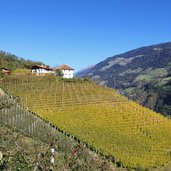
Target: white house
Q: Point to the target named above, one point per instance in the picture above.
(67, 71)
(41, 70)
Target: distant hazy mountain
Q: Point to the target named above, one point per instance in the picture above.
(143, 74)
(83, 71)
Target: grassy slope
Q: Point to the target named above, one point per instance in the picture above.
(132, 134)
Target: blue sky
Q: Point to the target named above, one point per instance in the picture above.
(81, 32)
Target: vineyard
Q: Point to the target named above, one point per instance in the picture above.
(108, 123)
(26, 141)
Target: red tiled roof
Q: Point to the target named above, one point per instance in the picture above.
(64, 67)
(5, 71)
(42, 67)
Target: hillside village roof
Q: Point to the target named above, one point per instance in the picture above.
(4, 68)
(41, 67)
(64, 67)
(5, 71)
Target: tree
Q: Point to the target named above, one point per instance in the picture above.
(59, 73)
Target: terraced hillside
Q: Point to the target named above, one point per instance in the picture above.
(26, 141)
(127, 133)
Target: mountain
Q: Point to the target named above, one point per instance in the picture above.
(143, 74)
(83, 71)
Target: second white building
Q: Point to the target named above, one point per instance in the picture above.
(67, 71)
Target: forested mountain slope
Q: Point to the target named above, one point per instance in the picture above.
(143, 74)
(11, 62)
